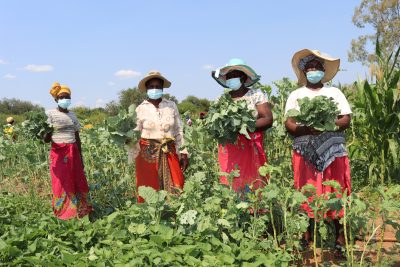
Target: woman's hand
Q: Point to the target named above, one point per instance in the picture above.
(184, 162)
(47, 137)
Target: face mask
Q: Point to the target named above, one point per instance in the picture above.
(315, 76)
(234, 83)
(155, 93)
(64, 103)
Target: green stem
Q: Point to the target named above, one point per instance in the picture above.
(366, 244)
(273, 225)
(315, 238)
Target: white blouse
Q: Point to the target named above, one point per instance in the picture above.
(335, 93)
(162, 122)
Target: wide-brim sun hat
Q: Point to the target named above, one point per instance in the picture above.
(235, 64)
(331, 65)
(151, 75)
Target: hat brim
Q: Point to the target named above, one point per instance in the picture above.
(142, 83)
(252, 76)
(331, 65)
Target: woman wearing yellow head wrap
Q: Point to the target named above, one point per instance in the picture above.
(57, 89)
(69, 184)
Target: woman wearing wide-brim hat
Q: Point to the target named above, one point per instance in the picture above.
(247, 155)
(161, 160)
(313, 69)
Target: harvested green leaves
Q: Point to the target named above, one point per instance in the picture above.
(228, 118)
(319, 112)
(36, 124)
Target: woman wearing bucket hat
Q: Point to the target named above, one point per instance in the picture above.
(68, 180)
(313, 69)
(247, 155)
(157, 163)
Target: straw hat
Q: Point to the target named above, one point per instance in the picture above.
(151, 75)
(10, 120)
(235, 64)
(331, 65)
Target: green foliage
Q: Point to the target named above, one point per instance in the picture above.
(377, 109)
(383, 17)
(90, 115)
(36, 125)
(194, 105)
(17, 107)
(319, 113)
(122, 127)
(227, 118)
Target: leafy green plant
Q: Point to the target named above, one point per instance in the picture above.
(36, 124)
(122, 126)
(319, 113)
(227, 118)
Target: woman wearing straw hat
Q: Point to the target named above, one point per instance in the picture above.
(9, 128)
(247, 155)
(68, 179)
(158, 164)
(313, 69)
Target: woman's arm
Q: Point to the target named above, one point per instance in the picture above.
(179, 140)
(78, 142)
(265, 117)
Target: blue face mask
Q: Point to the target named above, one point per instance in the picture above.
(234, 83)
(315, 76)
(155, 93)
(64, 103)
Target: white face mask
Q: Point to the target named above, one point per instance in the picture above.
(64, 103)
(234, 83)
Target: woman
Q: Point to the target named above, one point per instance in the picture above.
(313, 69)
(69, 184)
(161, 128)
(247, 155)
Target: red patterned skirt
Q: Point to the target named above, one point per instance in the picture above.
(68, 180)
(157, 166)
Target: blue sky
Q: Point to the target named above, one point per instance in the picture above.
(101, 47)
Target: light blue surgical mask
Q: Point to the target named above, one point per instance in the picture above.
(234, 83)
(155, 93)
(64, 103)
(315, 76)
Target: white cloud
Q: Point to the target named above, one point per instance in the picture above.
(38, 68)
(100, 103)
(127, 74)
(110, 83)
(208, 67)
(9, 76)
(3, 62)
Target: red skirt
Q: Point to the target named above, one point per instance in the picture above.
(157, 166)
(68, 181)
(248, 156)
(304, 173)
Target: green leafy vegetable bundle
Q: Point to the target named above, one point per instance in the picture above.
(319, 112)
(122, 127)
(226, 118)
(36, 124)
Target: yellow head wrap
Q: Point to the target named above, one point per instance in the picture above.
(57, 89)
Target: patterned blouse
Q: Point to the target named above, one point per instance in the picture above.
(65, 125)
(162, 122)
(253, 98)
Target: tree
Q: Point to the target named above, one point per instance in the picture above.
(384, 17)
(17, 107)
(194, 105)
